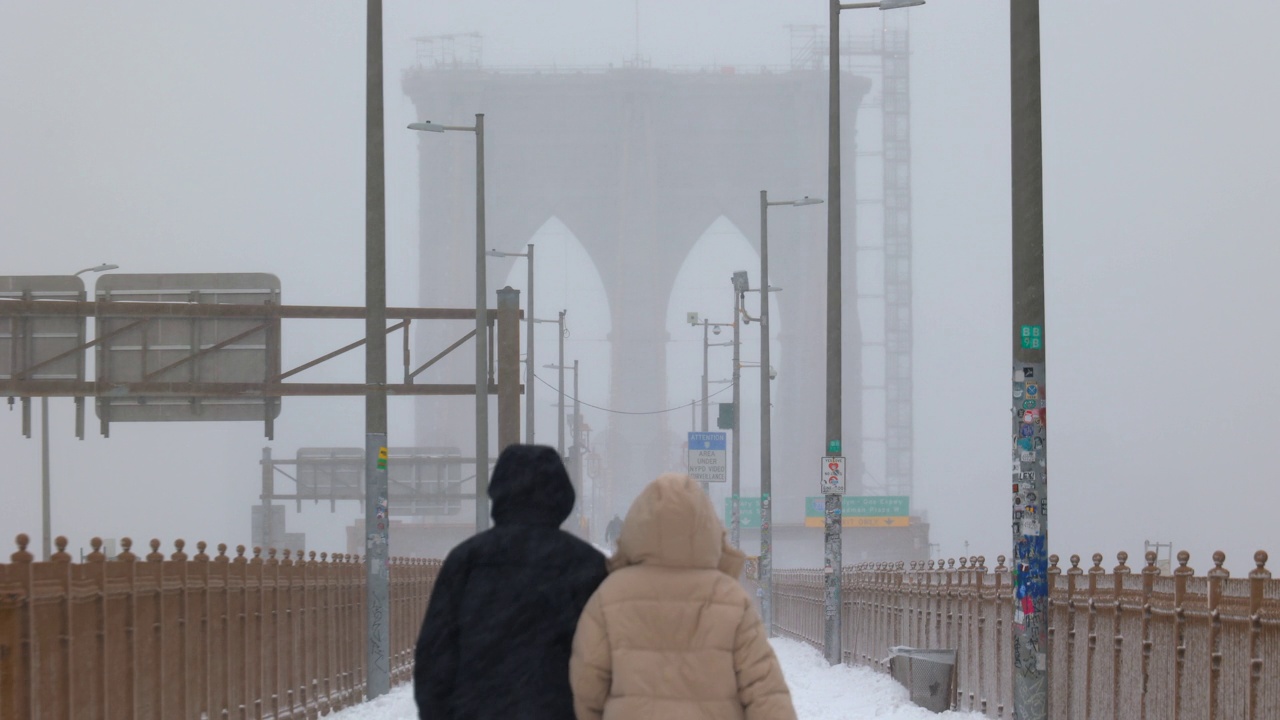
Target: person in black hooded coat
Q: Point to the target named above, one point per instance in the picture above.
(498, 632)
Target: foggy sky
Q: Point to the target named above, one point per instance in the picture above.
(229, 137)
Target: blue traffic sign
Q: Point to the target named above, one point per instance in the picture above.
(707, 440)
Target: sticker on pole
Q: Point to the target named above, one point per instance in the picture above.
(708, 461)
(833, 476)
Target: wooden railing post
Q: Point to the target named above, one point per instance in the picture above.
(1117, 636)
(17, 681)
(1217, 575)
(1073, 587)
(1257, 580)
(1149, 574)
(1003, 690)
(1180, 576)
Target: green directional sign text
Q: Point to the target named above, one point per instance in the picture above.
(748, 512)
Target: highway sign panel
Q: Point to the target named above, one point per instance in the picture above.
(42, 347)
(862, 511)
(748, 512)
(188, 349)
(420, 480)
(708, 460)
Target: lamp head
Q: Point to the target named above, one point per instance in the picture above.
(899, 4)
(806, 200)
(427, 126)
(98, 268)
(715, 330)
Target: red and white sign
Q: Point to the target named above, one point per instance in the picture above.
(832, 476)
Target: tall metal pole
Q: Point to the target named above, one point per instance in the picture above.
(706, 487)
(576, 463)
(560, 370)
(1031, 487)
(376, 520)
(482, 345)
(832, 560)
(706, 325)
(46, 512)
(268, 490)
(735, 490)
(529, 365)
(766, 449)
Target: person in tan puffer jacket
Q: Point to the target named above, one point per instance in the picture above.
(671, 634)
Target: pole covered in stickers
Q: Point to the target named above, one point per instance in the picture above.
(1030, 481)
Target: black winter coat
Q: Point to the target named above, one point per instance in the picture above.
(499, 628)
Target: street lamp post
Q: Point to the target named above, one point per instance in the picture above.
(529, 365)
(482, 344)
(560, 372)
(766, 438)
(575, 461)
(46, 484)
(706, 345)
(576, 464)
(832, 534)
(740, 286)
(559, 322)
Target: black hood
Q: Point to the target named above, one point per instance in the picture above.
(530, 486)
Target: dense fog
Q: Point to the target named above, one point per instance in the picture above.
(229, 137)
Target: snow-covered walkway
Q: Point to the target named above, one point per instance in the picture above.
(820, 692)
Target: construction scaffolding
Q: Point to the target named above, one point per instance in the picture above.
(883, 55)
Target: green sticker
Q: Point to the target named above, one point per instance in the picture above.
(833, 447)
(1032, 337)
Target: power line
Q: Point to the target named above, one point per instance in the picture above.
(633, 412)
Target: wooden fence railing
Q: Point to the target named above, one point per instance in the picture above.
(1121, 645)
(159, 638)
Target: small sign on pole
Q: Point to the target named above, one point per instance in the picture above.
(833, 476)
(708, 461)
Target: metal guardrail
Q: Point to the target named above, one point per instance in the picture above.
(1121, 644)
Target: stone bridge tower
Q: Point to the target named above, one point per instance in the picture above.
(638, 162)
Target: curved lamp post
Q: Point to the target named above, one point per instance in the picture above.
(482, 345)
(832, 541)
(766, 428)
(46, 513)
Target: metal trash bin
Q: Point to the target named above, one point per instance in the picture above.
(928, 675)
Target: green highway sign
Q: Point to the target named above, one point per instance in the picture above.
(863, 506)
(748, 512)
(862, 511)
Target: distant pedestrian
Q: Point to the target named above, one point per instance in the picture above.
(671, 634)
(611, 531)
(499, 628)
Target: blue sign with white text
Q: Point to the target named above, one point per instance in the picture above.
(707, 440)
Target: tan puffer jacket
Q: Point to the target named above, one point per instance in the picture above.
(671, 634)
